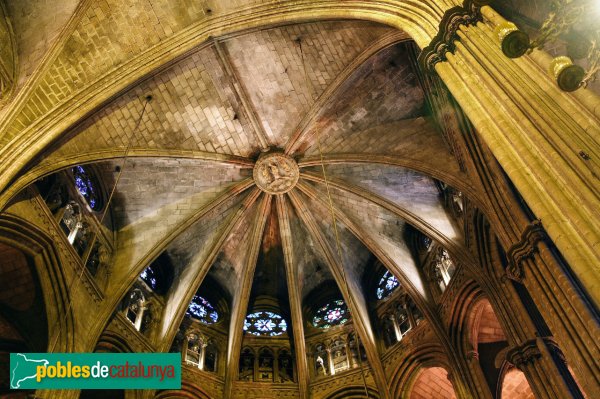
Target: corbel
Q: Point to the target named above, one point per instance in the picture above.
(525, 248)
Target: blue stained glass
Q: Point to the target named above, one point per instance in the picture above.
(202, 310)
(86, 187)
(332, 314)
(149, 277)
(387, 284)
(265, 323)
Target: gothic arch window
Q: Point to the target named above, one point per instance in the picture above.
(265, 365)
(265, 324)
(321, 360)
(211, 357)
(339, 355)
(444, 268)
(403, 319)
(286, 366)
(87, 186)
(247, 365)
(192, 352)
(202, 310)
(387, 284)
(331, 314)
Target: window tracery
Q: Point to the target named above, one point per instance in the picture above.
(202, 310)
(265, 323)
(87, 187)
(149, 276)
(386, 285)
(331, 314)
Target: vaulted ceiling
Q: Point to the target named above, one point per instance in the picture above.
(342, 100)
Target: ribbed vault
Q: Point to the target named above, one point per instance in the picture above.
(341, 102)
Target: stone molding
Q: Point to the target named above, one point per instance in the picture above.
(467, 14)
(525, 248)
(531, 350)
(524, 354)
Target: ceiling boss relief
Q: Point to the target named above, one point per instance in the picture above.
(276, 173)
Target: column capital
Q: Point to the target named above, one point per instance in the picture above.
(526, 353)
(467, 14)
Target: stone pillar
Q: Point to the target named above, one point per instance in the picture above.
(348, 354)
(540, 360)
(275, 367)
(202, 355)
(330, 362)
(536, 132)
(140, 315)
(534, 263)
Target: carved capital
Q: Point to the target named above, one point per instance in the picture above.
(444, 41)
(524, 354)
(523, 249)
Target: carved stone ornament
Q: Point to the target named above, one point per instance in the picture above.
(525, 248)
(523, 354)
(276, 173)
(444, 41)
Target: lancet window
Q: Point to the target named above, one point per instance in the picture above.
(87, 186)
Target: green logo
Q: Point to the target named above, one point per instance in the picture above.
(95, 370)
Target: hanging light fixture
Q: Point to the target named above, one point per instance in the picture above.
(574, 21)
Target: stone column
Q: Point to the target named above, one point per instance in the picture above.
(202, 355)
(348, 355)
(536, 132)
(540, 360)
(535, 264)
(330, 361)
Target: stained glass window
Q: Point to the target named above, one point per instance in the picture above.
(332, 314)
(87, 187)
(387, 284)
(265, 323)
(202, 310)
(149, 277)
